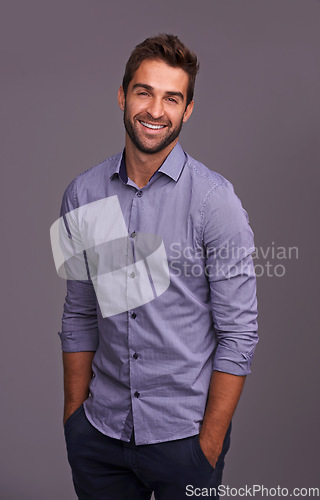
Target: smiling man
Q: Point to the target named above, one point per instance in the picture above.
(150, 391)
(155, 104)
(154, 115)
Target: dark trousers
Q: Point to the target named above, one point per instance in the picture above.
(109, 469)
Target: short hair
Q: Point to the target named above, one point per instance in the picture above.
(167, 48)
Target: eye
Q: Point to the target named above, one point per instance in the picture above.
(142, 93)
(171, 99)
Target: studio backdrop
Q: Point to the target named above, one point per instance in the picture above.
(255, 121)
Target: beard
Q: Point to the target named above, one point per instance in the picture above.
(140, 142)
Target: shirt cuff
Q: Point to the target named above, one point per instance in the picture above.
(86, 340)
(233, 362)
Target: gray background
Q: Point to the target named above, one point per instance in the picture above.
(256, 121)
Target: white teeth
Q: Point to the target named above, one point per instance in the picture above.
(148, 125)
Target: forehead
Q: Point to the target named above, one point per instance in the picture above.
(161, 77)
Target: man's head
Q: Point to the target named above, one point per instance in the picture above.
(166, 48)
(156, 94)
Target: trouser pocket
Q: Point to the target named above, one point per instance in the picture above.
(201, 454)
(73, 417)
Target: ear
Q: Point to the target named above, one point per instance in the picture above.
(121, 98)
(188, 112)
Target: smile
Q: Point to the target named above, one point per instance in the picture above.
(153, 127)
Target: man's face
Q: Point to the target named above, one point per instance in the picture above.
(155, 106)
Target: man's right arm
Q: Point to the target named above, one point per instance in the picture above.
(79, 334)
(77, 368)
(80, 339)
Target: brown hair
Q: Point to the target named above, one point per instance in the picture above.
(169, 49)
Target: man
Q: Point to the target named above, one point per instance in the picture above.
(159, 331)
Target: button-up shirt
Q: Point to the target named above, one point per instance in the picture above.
(155, 350)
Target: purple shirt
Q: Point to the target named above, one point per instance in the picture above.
(153, 363)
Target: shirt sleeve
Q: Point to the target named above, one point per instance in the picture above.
(79, 320)
(229, 245)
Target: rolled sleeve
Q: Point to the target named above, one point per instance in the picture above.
(79, 321)
(229, 245)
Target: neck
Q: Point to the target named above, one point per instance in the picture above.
(141, 166)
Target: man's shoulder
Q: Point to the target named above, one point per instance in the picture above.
(210, 189)
(99, 171)
(89, 183)
(202, 176)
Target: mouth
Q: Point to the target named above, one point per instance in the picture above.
(151, 126)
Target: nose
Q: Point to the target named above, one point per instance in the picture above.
(155, 108)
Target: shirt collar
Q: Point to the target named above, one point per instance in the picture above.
(119, 168)
(172, 166)
(174, 163)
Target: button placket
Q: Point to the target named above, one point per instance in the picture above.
(133, 229)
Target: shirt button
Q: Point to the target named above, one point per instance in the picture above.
(135, 355)
(139, 193)
(133, 315)
(132, 274)
(133, 234)
(136, 394)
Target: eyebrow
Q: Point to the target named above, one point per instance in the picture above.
(145, 86)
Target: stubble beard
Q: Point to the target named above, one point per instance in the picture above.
(139, 144)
